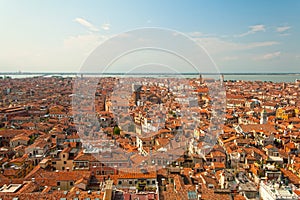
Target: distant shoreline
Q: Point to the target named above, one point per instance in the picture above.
(123, 73)
(275, 77)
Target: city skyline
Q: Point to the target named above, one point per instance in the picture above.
(240, 36)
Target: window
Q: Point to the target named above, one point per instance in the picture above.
(153, 182)
(53, 163)
(148, 182)
(64, 155)
(130, 182)
(71, 183)
(65, 162)
(58, 183)
(63, 168)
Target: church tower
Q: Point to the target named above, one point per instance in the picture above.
(263, 117)
(201, 79)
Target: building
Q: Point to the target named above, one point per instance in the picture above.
(269, 191)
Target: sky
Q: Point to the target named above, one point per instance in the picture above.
(240, 36)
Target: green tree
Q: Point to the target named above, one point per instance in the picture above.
(117, 130)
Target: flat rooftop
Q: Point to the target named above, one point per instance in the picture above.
(10, 188)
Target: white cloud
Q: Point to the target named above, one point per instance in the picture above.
(105, 26)
(196, 34)
(216, 45)
(260, 44)
(284, 34)
(257, 28)
(253, 29)
(86, 24)
(281, 29)
(268, 56)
